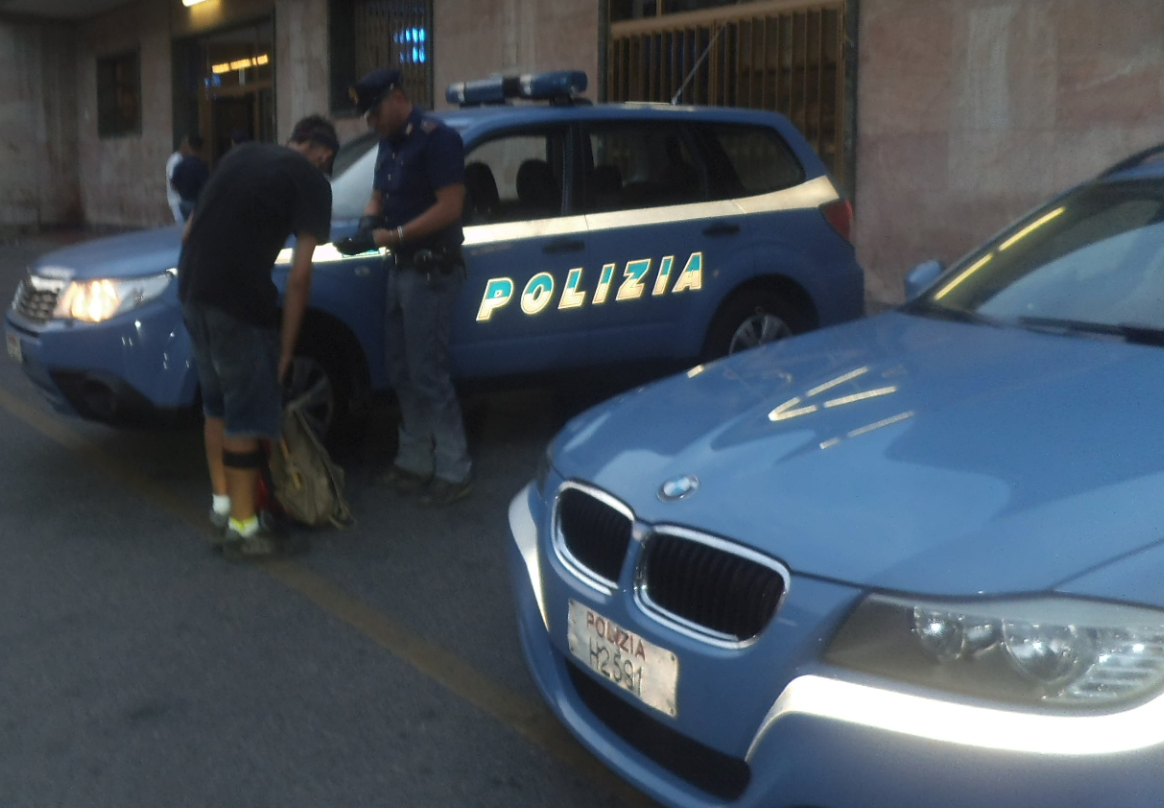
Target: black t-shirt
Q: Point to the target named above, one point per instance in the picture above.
(258, 196)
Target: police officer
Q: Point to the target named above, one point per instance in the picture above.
(418, 192)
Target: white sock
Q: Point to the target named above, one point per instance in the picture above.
(220, 503)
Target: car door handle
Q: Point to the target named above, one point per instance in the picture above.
(721, 229)
(564, 246)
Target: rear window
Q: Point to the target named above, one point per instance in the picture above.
(641, 165)
(748, 160)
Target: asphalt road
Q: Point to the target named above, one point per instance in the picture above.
(381, 669)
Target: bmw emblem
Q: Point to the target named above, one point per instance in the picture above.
(678, 488)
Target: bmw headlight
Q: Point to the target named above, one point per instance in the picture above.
(94, 301)
(1048, 651)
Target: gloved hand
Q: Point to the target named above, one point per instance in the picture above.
(368, 224)
(359, 243)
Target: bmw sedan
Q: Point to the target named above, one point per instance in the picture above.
(911, 561)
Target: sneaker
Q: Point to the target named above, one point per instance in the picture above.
(403, 480)
(271, 540)
(218, 523)
(262, 545)
(442, 492)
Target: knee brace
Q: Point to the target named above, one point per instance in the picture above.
(244, 460)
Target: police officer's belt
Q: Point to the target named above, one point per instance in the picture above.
(429, 260)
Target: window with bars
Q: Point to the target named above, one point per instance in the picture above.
(778, 55)
(371, 34)
(119, 94)
(638, 9)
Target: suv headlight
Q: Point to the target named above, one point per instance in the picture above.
(96, 300)
(542, 470)
(1046, 651)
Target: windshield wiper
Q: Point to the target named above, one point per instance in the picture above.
(931, 309)
(1128, 332)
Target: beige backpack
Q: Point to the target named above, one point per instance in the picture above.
(307, 483)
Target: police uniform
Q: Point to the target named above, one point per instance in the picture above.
(426, 155)
(422, 288)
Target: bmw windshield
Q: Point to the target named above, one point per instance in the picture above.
(1089, 264)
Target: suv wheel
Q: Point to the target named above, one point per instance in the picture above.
(311, 379)
(748, 320)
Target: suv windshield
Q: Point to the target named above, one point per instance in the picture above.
(1092, 261)
(351, 184)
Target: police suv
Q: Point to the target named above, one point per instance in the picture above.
(595, 235)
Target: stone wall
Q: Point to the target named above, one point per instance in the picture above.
(123, 178)
(301, 62)
(39, 176)
(970, 112)
(55, 169)
(475, 38)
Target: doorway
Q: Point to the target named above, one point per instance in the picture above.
(225, 87)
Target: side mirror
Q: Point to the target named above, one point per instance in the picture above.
(922, 276)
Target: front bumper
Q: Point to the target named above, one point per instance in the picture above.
(134, 369)
(771, 726)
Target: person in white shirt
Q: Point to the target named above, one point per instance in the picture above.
(173, 198)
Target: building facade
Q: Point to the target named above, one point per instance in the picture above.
(943, 119)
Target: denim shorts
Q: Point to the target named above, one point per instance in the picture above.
(238, 371)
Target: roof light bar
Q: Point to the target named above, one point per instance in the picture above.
(498, 89)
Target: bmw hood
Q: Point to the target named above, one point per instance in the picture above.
(900, 453)
(129, 255)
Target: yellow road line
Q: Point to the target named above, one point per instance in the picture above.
(526, 717)
(120, 471)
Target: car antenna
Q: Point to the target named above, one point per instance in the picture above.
(691, 75)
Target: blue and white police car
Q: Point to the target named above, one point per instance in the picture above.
(911, 561)
(595, 235)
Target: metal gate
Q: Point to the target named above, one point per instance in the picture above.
(783, 55)
(396, 34)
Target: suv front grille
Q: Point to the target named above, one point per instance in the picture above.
(595, 533)
(712, 587)
(36, 298)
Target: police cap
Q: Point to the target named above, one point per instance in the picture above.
(371, 89)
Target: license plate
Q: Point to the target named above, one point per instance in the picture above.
(14, 349)
(641, 668)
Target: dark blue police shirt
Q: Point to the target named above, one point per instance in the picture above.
(189, 177)
(426, 155)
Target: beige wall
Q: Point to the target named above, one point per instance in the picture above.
(123, 178)
(301, 63)
(969, 111)
(55, 169)
(972, 111)
(475, 38)
(39, 176)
